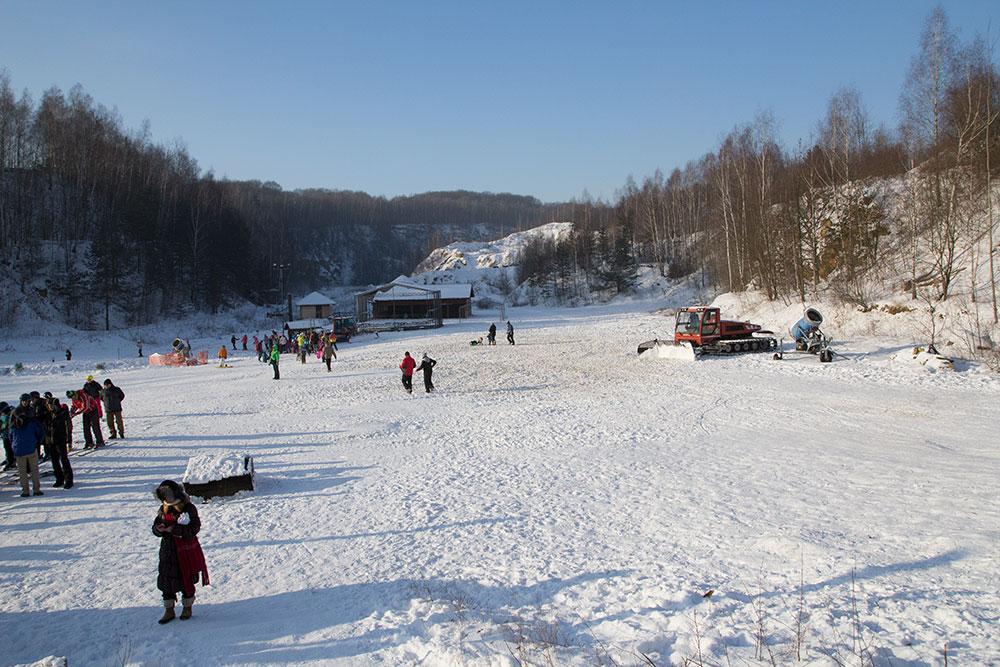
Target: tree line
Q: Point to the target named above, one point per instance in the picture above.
(132, 230)
(754, 214)
(127, 230)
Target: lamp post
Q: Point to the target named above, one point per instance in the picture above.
(281, 279)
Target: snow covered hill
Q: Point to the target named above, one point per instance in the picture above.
(561, 501)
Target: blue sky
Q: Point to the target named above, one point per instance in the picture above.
(538, 98)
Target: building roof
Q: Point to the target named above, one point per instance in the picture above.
(314, 299)
(314, 323)
(399, 291)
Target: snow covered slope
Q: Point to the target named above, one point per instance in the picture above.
(561, 501)
(486, 266)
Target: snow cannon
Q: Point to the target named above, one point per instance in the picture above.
(808, 337)
(807, 327)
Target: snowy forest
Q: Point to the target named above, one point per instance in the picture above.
(752, 214)
(137, 226)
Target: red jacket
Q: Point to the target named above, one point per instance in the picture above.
(84, 402)
(408, 365)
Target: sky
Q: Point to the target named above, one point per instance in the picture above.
(556, 100)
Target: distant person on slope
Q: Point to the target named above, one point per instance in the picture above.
(427, 366)
(244, 341)
(233, 341)
(275, 358)
(223, 355)
(407, 366)
(328, 354)
(510, 332)
(491, 336)
(182, 562)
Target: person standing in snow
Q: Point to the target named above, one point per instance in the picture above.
(60, 428)
(510, 332)
(427, 366)
(182, 562)
(328, 354)
(92, 388)
(491, 336)
(233, 341)
(275, 358)
(84, 404)
(244, 341)
(69, 355)
(223, 355)
(113, 397)
(138, 344)
(26, 434)
(10, 461)
(407, 366)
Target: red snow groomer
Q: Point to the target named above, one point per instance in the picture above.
(701, 330)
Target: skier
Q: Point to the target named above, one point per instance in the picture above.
(138, 344)
(407, 366)
(244, 341)
(492, 335)
(328, 354)
(275, 358)
(223, 355)
(427, 366)
(182, 562)
(510, 332)
(113, 397)
(69, 355)
(233, 341)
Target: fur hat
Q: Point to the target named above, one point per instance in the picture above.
(170, 492)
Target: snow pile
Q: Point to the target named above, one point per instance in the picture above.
(925, 358)
(206, 468)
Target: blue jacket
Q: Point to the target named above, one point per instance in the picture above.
(25, 440)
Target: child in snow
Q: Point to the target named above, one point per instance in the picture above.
(223, 355)
(182, 561)
(328, 354)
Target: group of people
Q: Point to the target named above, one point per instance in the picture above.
(491, 334)
(40, 428)
(409, 367)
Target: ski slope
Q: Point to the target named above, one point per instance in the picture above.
(562, 501)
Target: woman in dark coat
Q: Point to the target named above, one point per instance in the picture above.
(181, 559)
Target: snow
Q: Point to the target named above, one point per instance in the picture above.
(205, 468)
(558, 500)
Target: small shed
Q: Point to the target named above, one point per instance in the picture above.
(314, 306)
